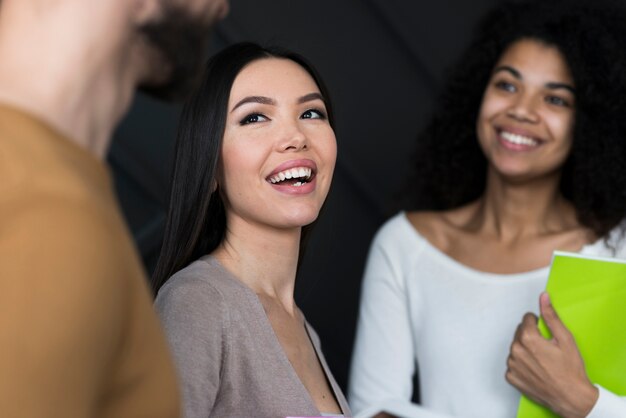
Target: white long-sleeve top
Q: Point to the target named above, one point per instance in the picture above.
(457, 323)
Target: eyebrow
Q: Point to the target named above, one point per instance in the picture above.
(254, 99)
(555, 86)
(508, 69)
(551, 85)
(310, 97)
(268, 101)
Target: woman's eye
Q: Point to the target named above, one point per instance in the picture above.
(506, 86)
(313, 114)
(252, 118)
(557, 101)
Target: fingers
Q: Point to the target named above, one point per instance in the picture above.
(552, 320)
(525, 371)
(525, 339)
(529, 321)
(521, 383)
(549, 371)
(527, 329)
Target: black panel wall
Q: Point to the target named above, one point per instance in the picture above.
(383, 61)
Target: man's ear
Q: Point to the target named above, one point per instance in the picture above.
(144, 11)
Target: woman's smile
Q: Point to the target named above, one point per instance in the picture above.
(294, 176)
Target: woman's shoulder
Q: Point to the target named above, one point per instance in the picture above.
(439, 227)
(405, 234)
(611, 245)
(426, 223)
(204, 280)
(397, 229)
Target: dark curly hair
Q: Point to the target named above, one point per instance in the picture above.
(450, 168)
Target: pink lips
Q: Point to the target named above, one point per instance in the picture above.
(513, 146)
(295, 190)
(294, 163)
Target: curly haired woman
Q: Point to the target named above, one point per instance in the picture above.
(525, 155)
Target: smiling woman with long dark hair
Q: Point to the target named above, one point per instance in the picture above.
(254, 161)
(526, 154)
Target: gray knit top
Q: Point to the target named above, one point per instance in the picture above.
(229, 361)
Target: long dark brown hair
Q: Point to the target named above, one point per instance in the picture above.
(196, 219)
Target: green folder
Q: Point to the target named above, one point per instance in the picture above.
(589, 294)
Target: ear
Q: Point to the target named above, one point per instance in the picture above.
(144, 11)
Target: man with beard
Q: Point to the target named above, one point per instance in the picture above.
(78, 337)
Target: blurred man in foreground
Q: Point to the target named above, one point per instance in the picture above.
(78, 337)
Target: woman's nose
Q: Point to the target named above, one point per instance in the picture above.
(293, 139)
(523, 109)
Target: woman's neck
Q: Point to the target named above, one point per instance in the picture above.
(509, 211)
(263, 258)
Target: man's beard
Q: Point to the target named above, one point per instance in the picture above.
(180, 42)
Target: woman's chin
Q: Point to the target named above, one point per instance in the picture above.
(299, 219)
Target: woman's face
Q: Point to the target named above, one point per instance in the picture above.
(526, 119)
(279, 150)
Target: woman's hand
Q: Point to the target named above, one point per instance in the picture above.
(551, 372)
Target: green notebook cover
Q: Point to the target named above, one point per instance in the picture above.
(589, 294)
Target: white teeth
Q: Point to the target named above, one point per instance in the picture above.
(292, 173)
(518, 139)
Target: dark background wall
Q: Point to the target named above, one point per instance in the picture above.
(384, 61)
